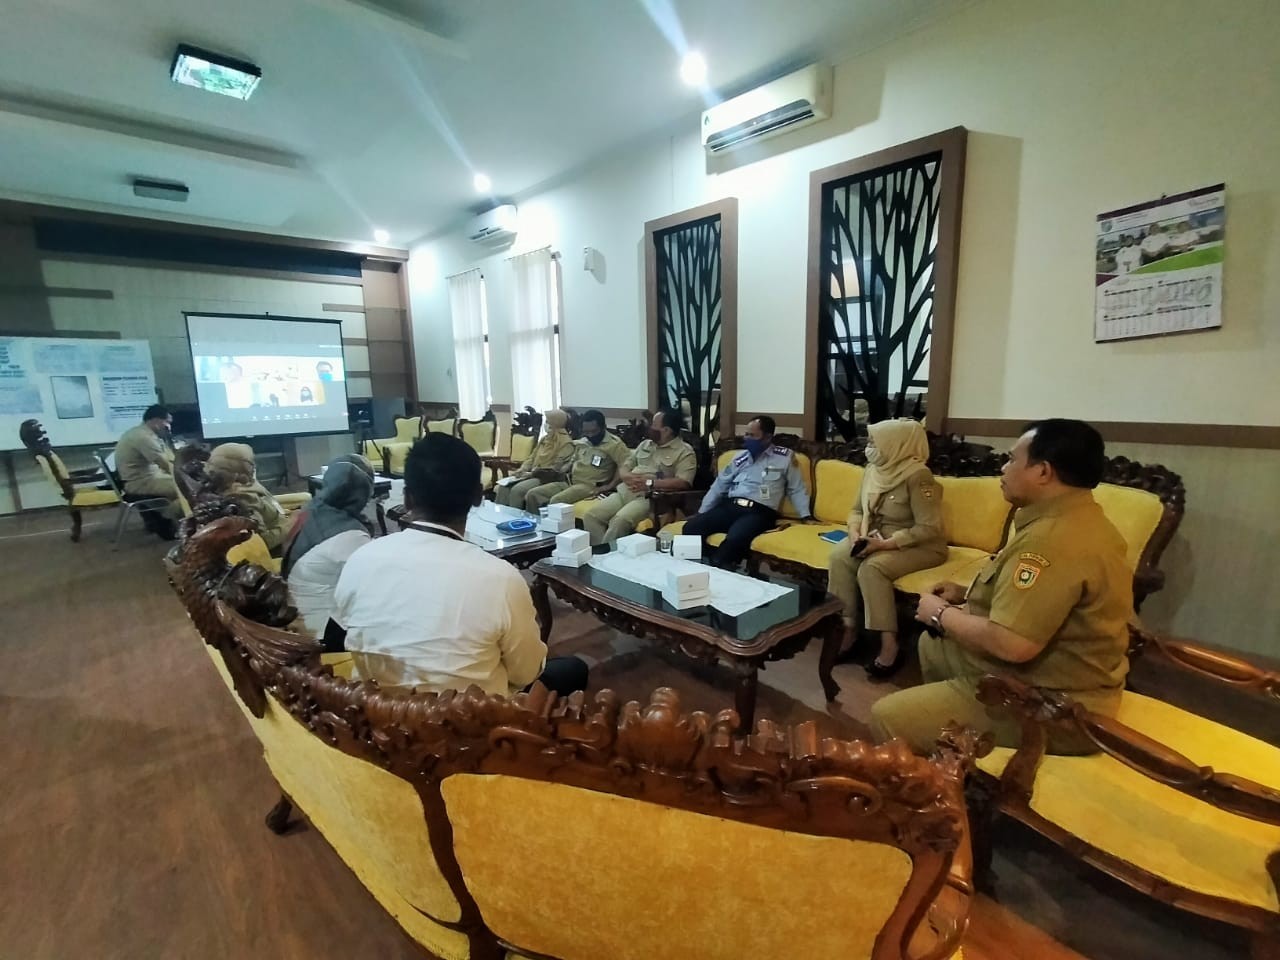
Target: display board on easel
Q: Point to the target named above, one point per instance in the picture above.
(84, 391)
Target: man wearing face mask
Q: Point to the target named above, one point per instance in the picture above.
(743, 502)
(144, 460)
(598, 455)
(663, 462)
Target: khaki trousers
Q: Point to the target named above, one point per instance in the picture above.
(514, 495)
(949, 694)
(557, 492)
(165, 487)
(616, 516)
(870, 581)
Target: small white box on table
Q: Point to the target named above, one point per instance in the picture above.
(637, 545)
(573, 549)
(687, 586)
(686, 547)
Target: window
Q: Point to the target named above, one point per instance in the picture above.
(535, 331)
(468, 308)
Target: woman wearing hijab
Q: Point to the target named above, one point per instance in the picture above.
(549, 461)
(232, 473)
(895, 528)
(326, 532)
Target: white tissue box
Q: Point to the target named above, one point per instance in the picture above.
(688, 601)
(573, 541)
(555, 524)
(685, 547)
(682, 582)
(637, 545)
(561, 511)
(579, 558)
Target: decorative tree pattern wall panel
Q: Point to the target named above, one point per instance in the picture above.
(876, 295)
(689, 322)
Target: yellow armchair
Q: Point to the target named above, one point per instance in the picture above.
(78, 497)
(1154, 806)
(388, 455)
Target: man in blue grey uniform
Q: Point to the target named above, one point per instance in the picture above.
(743, 502)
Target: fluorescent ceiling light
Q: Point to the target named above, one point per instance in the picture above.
(214, 72)
(482, 183)
(381, 236)
(693, 69)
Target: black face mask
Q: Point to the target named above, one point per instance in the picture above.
(597, 439)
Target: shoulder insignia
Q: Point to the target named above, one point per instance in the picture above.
(781, 451)
(740, 459)
(926, 491)
(1025, 575)
(1034, 558)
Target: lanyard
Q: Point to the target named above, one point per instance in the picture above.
(439, 531)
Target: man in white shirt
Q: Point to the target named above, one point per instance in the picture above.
(424, 608)
(1155, 244)
(1128, 257)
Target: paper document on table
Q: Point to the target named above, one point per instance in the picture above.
(731, 593)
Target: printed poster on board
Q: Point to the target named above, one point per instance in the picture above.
(1159, 266)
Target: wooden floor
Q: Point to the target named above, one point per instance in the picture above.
(133, 792)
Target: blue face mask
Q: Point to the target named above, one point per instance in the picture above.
(755, 447)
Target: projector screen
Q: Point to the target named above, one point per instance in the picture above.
(267, 376)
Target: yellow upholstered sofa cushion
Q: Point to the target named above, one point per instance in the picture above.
(1135, 513)
(962, 566)
(974, 512)
(83, 497)
(371, 818)
(838, 485)
(676, 528)
(442, 426)
(481, 437)
(522, 447)
(254, 550)
(1167, 833)
(293, 501)
(94, 498)
(408, 429)
(672, 884)
(799, 543)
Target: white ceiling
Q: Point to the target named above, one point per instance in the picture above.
(374, 113)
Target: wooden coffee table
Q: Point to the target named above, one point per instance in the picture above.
(777, 630)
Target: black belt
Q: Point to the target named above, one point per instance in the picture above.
(750, 504)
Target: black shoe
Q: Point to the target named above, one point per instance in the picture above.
(883, 671)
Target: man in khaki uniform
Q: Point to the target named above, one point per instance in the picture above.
(145, 462)
(598, 455)
(1051, 609)
(663, 462)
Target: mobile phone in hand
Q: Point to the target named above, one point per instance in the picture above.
(858, 546)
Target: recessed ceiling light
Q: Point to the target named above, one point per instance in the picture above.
(693, 69)
(482, 183)
(214, 72)
(381, 236)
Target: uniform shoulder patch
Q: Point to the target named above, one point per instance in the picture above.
(1026, 574)
(781, 451)
(1034, 558)
(740, 459)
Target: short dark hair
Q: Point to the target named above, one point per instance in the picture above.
(672, 419)
(157, 411)
(767, 424)
(594, 416)
(442, 476)
(1072, 447)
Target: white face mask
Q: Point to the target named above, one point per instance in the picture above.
(873, 454)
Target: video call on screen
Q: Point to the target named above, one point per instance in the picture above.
(258, 376)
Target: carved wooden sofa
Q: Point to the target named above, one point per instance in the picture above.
(1154, 807)
(456, 810)
(78, 488)
(1145, 502)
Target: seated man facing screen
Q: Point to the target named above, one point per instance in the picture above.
(424, 608)
(663, 462)
(743, 502)
(1051, 609)
(596, 458)
(144, 461)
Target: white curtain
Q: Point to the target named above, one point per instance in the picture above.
(466, 306)
(533, 363)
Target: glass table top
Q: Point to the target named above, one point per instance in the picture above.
(482, 529)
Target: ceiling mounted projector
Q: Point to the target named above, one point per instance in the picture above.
(160, 190)
(214, 72)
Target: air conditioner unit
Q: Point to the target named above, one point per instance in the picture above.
(494, 228)
(783, 105)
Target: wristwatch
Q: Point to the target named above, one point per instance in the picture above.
(648, 485)
(936, 621)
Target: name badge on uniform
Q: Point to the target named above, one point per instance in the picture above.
(596, 460)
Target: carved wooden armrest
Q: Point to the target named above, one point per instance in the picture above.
(1038, 708)
(502, 467)
(668, 502)
(1223, 667)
